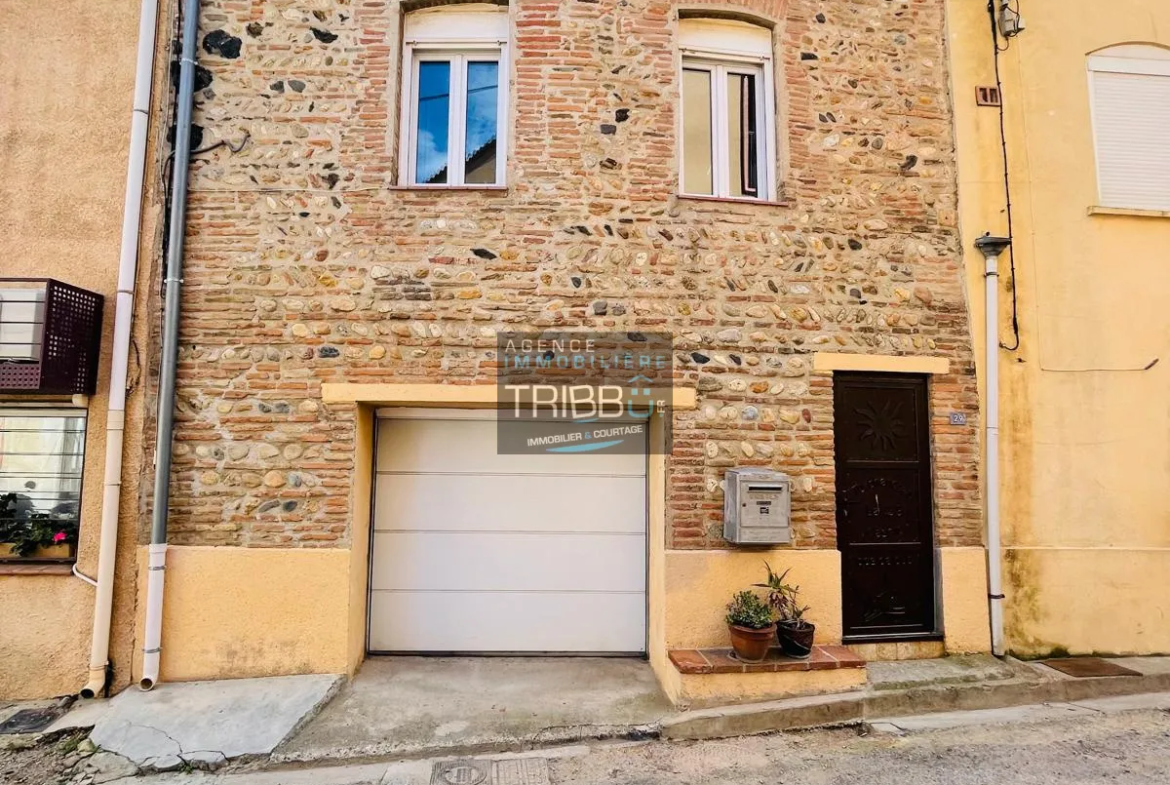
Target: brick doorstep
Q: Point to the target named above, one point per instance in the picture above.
(706, 661)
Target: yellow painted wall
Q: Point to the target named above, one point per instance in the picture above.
(244, 612)
(656, 568)
(359, 553)
(963, 578)
(44, 635)
(1085, 452)
(719, 689)
(699, 584)
(1086, 600)
(64, 122)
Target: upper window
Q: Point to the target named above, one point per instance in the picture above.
(41, 455)
(22, 324)
(1130, 89)
(453, 98)
(728, 106)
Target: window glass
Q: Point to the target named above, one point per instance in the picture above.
(433, 119)
(41, 456)
(698, 177)
(22, 323)
(482, 122)
(728, 131)
(743, 155)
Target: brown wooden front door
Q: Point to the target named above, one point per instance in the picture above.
(885, 521)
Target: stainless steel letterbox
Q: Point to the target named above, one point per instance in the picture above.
(757, 507)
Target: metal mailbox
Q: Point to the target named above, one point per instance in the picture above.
(757, 507)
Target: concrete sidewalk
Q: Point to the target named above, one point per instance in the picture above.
(400, 706)
(411, 707)
(822, 757)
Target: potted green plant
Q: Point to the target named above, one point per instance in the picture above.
(794, 633)
(749, 620)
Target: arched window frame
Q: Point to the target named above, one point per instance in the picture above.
(458, 34)
(724, 48)
(1132, 159)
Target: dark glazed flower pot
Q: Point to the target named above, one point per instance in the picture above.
(796, 638)
(751, 645)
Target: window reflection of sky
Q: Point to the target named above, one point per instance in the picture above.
(482, 121)
(434, 98)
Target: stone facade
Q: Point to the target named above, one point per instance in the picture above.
(306, 264)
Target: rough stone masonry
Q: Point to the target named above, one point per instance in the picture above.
(307, 264)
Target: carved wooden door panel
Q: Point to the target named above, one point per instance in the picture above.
(885, 521)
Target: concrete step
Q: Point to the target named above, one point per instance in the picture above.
(1035, 712)
(1031, 684)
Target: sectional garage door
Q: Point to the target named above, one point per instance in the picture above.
(483, 553)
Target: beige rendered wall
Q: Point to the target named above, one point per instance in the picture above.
(1084, 450)
(963, 595)
(359, 552)
(44, 635)
(699, 584)
(244, 612)
(64, 123)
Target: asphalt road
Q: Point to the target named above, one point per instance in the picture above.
(1131, 748)
(1123, 749)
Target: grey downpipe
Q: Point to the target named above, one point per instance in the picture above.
(184, 104)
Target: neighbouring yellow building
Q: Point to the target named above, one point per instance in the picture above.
(1085, 382)
(70, 448)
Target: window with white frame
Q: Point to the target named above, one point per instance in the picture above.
(42, 450)
(1129, 86)
(454, 96)
(728, 109)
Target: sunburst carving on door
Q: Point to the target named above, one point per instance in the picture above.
(881, 424)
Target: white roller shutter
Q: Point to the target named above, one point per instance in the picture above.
(479, 552)
(1131, 117)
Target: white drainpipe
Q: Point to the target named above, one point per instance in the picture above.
(992, 247)
(123, 316)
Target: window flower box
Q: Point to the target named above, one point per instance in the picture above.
(60, 552)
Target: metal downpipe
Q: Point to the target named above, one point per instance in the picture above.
(184, 104)
(991, 248)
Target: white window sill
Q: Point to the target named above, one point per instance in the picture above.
(448, 188)
(731, 199)
(1129, 211)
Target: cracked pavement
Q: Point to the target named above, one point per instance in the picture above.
(1129, 748)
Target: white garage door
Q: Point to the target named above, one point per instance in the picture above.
(479, 552)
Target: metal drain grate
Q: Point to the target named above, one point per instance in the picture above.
(510, 771)
(460, 772)
(30, 720)
(1089, 667)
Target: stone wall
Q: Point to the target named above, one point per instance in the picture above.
(306, 264)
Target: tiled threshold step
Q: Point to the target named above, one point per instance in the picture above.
(822, 658)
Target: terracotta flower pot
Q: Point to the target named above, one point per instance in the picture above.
(796, 638)
(751, 645)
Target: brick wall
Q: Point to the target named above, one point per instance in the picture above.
(306, 265)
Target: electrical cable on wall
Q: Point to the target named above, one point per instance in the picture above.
(1007, 22)
(1007, 187)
